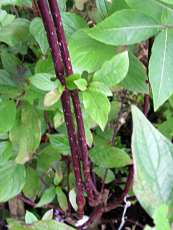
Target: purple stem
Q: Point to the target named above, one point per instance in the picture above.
(147, 97)
(65, 99)
(114, 204)
(75, 97)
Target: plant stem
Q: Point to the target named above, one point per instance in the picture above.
(75, 97)
(65, 99)
(102, 209)
(147, 97)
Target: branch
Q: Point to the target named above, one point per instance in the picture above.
(65, 99)
(75, 97)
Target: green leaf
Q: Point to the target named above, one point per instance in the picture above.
(26, 133)
(152, 8)
(5, 151)
(106, 156)
(60, 143)
(32, 187)
(45, 81)
(53, 96)
(167, 1)
(16, 33)
(17, 2)
(30, 218)
(97, 106)
(124, 28)
(88, 54)
(58, 119)
(46, 158)
(136, 77)
(166, 128)
(12, 180)
(101, 173)
(5, 18)
(113, 71)
(72, 199)
(45, 65)
(38, 32)
(98, 86)
(47, 197)
(39, 225)
(48, 215)
(62, 199)
(9, 61)
(7, 115)
(70, 81)
(160, 71)
(71, 23)
(81, 84)
(161, 218)
(153, 164)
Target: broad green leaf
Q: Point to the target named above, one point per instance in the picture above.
(46, 158)
(45, 65)
(60, 143)
(7, 115)
(72, 199)
(103, 8)
(16, 2)
(48, 215)
(58, 176)
(5, 79)
(124, 28)
(12, 180)
(161, 218)
(152, 8)
(97, 106)
(53, 96)
(47, 197)
(32, 187)
(45, 81)
(88, 54)
(136, 77)
(62, 199)
(58, 119)
(5, 18)
(101, 172)
(70, 81)
(81, 84)
(26, 133)
(15, 33)
(39, 225)
(71, 23)
(98, 86)
(106, 156)
(113, 71)
(5, 150)
(9, 61)
(30, 218)
(153, 164)
(167, 1)
(166, 128)
(38, 32)
(160, 71)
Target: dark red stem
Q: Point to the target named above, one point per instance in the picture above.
(65, 99)
(146, 96)
(114, 204)
(75, 97)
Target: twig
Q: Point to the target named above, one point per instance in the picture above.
(65, 99)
